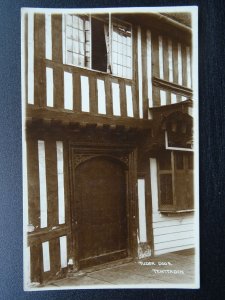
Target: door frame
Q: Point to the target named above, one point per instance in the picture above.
(128, 157)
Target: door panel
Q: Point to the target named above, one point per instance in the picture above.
(100, 189)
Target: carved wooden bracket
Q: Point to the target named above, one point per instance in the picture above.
(125, 159)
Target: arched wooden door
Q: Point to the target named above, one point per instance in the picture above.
(100, 211)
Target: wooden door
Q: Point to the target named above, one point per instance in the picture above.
(100, 216)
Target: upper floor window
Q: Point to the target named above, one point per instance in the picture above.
(99, 44)
(77, 40)
(121, 50)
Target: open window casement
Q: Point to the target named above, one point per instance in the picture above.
(108, 47)
(98, 43)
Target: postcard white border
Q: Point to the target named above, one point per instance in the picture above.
(167, 9)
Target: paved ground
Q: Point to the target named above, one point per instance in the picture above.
(176, 268)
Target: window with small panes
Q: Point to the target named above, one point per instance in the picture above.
(96, 43)
(175, 181)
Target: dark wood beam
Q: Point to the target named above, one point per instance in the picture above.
(42, 235)
(65, 117)
(172, 87)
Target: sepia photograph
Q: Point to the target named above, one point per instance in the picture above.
(110, 148)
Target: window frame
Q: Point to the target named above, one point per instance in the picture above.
(116, 21)
(175, 206)
(65, 41)
(160, 172)
(112, 21)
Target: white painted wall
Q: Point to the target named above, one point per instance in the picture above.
(68, 90)
(49, 87)
(140, 73)
(180, 79)
(142, 211)
(42, 184)
(171, 232)
(162, 97)
(46, 256)
(60, 180)
(170, 59)
(101, 96)
(85, 101)
(48, 36)
(30, 58)
(149, 67)
(161, 71)
(129, 99)
(63, 251)
(116, 99)
(188, 67)
(173, 98)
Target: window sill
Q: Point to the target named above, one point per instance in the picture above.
(176, 211)
(98, 72)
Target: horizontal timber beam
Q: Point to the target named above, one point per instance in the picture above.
(47, 234)
(65, 117)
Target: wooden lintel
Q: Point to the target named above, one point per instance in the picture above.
(59, 117)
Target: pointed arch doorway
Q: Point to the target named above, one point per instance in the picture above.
(100, 210)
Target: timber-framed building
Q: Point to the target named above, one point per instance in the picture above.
(109, 138)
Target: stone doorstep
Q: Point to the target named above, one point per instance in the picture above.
(84, 272)
(109, 265)
(177, 257)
